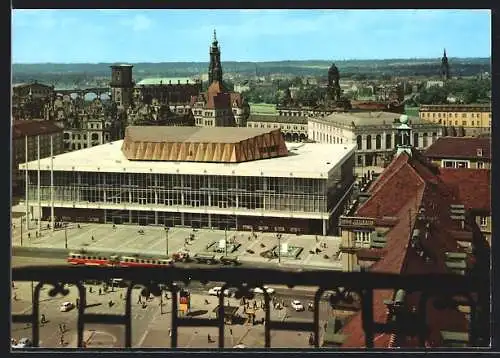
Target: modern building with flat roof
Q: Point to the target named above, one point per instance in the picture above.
(239, 178)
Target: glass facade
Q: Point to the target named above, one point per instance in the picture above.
(204, 191)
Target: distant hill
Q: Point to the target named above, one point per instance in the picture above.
(58, 72)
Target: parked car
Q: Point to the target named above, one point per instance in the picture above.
(66, 306)
(269, 290)
(23, 343)
(215, 291)
(297, 305)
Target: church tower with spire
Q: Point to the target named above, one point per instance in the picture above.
(215, 67)
(445, 67)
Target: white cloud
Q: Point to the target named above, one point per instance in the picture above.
(138, 22)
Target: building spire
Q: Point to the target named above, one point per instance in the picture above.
(444, 53)
(215, 36)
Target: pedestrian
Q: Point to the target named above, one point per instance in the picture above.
(170, 332)
(43, 319)
(48, 226)
(209, 338)
(231, 331)
(90, 289)
(139, 300)
(13, 285)
(100, 292)
(93, 238)
(29, 236)
(36, 233)
(121, 296)
(326, 325)
(311, 339)
(61, 342)
(78, 225)
(15, 296)
(110, 303)
(77, 303)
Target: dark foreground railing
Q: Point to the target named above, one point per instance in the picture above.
(344, 286)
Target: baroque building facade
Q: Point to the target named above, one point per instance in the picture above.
(218, 107)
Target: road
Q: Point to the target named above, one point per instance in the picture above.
(149, 327)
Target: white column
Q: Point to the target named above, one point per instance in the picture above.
(237, 194)
(38, 192)
(324, 227)
(156, 198)
(104, 186)
(182, 192)
(52, 182)
(130, 197)
(78, 185)
(26, 178)
(209, 192)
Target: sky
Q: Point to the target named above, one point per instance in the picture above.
(93, 36)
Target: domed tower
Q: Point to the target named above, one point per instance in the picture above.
(445, 67)
(404, 134)
(215, 67)
(122, 85)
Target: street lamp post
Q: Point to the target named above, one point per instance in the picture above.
(21, 231)
(166, 240)
(161, 301)
(225, 241)
(279, 248)
(65, 236)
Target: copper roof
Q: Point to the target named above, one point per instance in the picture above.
(460, 147)
(202, 144)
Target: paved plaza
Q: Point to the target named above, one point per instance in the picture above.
(153, 242)
(151, 323)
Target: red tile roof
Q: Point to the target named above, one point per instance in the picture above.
(460, 147)
(472, 186)
(23, 128)
(406, 186)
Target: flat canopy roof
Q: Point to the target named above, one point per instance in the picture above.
(305, 160)
(161, 134)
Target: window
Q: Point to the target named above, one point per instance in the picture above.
(359, 142)
(439, 115)
(464, 115)
(456, 123)
(368, 142)
(464, 123)
(472, 123)
(388, 141)
(360, 160)
(378, 141)
(480, 165)
(456, 115)
(484, 221)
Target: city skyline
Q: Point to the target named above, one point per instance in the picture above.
(99, 36)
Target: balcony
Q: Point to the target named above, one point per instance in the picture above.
(154, 280)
